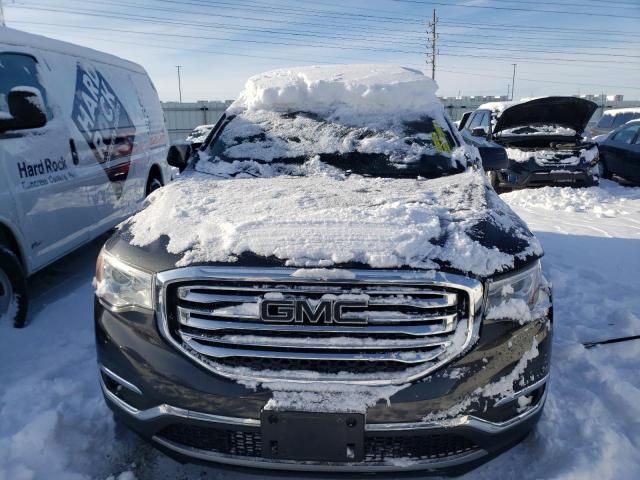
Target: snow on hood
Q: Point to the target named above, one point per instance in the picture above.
(456, 222)
(569, 112)
(347, 89)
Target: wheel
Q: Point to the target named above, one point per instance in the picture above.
(13, 289)
(493, 180)
(604, 171)
(153, 183)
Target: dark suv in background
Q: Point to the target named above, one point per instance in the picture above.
(328, 286)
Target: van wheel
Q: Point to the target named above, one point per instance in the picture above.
(13, 289)
(153, 183)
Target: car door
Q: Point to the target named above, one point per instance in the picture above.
(39, 166)
(633, 161)
(618, 151)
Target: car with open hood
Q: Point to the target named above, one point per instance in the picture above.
(544, 139)
(330, 285)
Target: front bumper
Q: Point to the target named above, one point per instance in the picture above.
(438, 423)
(516, 177)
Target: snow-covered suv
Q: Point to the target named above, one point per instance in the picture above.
(331, 284)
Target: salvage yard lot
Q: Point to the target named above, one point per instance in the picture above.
(55, 425)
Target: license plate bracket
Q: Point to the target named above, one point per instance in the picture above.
(310, 436)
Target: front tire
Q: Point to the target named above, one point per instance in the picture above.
(154, 182)
(604, 171)
(493, 180)
(14, 298)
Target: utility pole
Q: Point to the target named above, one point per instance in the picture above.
(431, 31)
(508, 90)
(513, 82)
(2, 24)
(179, 82)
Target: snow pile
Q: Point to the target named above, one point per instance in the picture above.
(554, 130)
(610, 202)
(321, 221)
(341, 89)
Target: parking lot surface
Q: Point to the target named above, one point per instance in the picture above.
(55, 425)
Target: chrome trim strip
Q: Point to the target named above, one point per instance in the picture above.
(447, 325)
(394, 356)
(524, 391)
(119, 380)
(443, 300)
(469, 421)
(472, 287)
(269, 464)
(256, 342)
(170, 411)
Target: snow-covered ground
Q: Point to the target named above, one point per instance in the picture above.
(54, 424)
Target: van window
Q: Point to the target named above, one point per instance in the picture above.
(605, 121)
(19, 70)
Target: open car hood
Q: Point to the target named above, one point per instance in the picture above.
(569, 112)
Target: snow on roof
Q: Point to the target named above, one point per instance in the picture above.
(302, 112)
(364, 88)
(18, 38)
(616, 111)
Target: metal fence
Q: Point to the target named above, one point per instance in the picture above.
(182, 118)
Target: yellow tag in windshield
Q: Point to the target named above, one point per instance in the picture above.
(440, 139)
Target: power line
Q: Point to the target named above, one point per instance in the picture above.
(511, 26)
(514, 9)
(538, 80)
(225, 39)
(564, 4)
(448, 52)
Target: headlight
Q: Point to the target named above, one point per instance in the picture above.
(515, 296)
(121, 285)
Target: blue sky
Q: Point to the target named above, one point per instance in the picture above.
(593, 48)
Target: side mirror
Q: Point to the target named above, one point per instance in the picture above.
(178, 155)
(26, 110)
(479, 132)
(494, 158)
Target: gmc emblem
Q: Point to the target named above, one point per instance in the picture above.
(303, 311)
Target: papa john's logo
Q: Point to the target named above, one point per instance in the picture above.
(313, 312)
(103, 121)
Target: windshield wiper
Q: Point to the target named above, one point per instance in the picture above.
(611, 340)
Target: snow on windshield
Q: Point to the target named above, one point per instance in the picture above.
(336, 110)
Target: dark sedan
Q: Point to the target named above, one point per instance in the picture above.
(620, 153)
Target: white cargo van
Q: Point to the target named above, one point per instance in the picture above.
(82, 142)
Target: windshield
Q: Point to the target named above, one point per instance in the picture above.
(268, 143)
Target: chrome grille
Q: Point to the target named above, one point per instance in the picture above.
(409, 323)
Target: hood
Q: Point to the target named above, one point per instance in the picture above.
(568, 112)
(452, 223)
